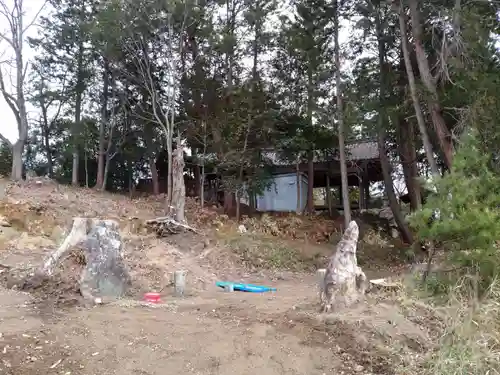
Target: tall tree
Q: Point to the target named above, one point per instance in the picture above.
(340, 114)
(153, 46)
(64, 46)
(383, 118)
(413, 89)
(304, 67)
(14, 18)
(50, 101)
(256, 16)
(429, 81)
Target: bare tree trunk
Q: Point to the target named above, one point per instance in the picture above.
(310, 183)
(252, 202)
(240, 174)
(407, 143)
(382, 118)
(299, 188)
(202, 190)
(106, 173)
(231, 13)
(170, 176)
(48, 151)
(442, 132)
(408, 157)
(228, 200)
(154, 176)
(44, 128)
(310, 156)
(238, 204)
(130, 180)
(343, 161)
(414, 94)
(102, 158)
(202, 187)
(329, 196)
(75, 167)
(80, 87)
(196, 173)
(86, 162)
(389, 189)
(178, 187)
(17, 161)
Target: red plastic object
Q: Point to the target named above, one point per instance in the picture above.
(152, 297)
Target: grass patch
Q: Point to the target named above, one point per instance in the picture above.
(467, 338)
(471, 342)
(266, 252)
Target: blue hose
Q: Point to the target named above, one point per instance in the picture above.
(246, 287)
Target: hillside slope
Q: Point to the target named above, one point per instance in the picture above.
(46, 329)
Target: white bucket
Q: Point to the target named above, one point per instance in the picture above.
(320, 279)
(180, 282)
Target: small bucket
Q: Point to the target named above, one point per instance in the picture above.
(152, 297)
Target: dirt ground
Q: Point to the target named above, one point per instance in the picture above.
(46, 330)
(217, 333)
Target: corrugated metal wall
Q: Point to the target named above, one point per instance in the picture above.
(283, 195)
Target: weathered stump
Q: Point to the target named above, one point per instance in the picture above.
(105, 274)
(344, 281)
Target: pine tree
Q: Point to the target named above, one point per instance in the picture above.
(304, 68)
(468, 221)
(65, 51)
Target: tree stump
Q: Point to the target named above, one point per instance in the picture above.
(105, 274)
(344, 281)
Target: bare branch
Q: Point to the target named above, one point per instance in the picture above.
(11, 101)
(6, 140)
(61, 103)
(9, 17)
(34, 18)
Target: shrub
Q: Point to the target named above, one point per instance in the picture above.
(468, 200)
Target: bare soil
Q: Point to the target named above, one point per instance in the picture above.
(45, 328)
